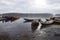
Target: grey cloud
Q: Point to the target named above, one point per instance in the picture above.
(53, 1)
(24, 6)
(57, 11)
(20, 5)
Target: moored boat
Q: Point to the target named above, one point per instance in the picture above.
(48, 21)
(57, 20)
(8, 18)
(30, 19)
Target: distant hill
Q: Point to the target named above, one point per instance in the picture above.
(28, 14)
(57, 15)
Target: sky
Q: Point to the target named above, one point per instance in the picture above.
(30, 6)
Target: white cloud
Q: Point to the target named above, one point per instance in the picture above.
(42, 4)
(54, 6)
(28, 6)
(38, 4)
(7, 2)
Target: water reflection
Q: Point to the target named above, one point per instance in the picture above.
(18, 30)
(8, 20)
(44, 26)
(27, 21)
(36, 25)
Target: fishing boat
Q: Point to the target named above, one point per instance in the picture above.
(8, 18)
(57, 20)
(31, 19)
(49, 21)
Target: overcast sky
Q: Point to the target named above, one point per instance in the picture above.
(30, 6)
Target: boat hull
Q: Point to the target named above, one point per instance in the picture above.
(27, 19)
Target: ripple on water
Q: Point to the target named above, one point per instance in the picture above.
(18, 30)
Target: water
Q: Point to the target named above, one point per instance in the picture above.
(21, 30)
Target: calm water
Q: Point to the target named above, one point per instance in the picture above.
(21, 30)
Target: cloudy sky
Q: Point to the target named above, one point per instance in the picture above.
(30, 6)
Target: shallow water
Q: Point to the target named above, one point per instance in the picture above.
(21, 30)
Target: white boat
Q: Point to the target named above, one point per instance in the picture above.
(31, 19)
(48, 22)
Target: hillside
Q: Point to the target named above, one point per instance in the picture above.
(28, 14)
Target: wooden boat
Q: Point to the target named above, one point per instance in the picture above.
(48, 22)
(8, 18)
(57, 20)
(30, 19)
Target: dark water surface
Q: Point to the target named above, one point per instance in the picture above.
(21, 30)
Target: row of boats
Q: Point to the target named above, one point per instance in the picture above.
(37, 24)
(48, 21)
(8, 18)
